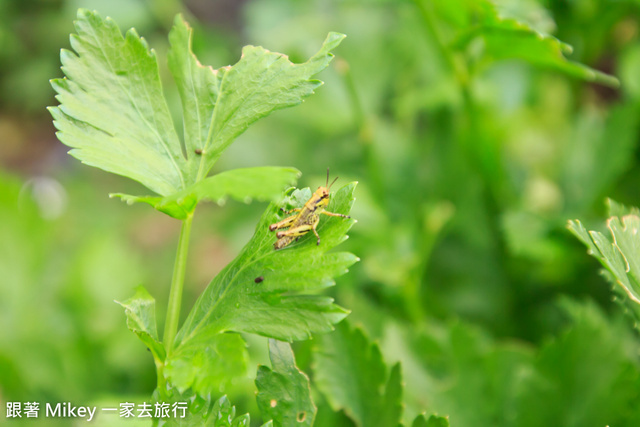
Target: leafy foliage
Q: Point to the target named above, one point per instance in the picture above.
(352, 375)
(114, 115)
(283, 390)
(280, 306)
(219, 105)
(484, 383)
(504, 37)
(210, 414)
(113, 112)
(470, 162)
(619, 253)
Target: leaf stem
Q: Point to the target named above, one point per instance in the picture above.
(177, 282)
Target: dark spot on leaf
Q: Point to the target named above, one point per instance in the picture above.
(259, 279)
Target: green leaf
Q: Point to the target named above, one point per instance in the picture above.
(202, 411)
(433, 421)
(224, 415)
(510, 39)
(141, 319)
(209, 365)
(112, 109)
(619, 253)
(261, 183)
(283, 390)
(114, 115)
(587, 376)
(268, 292)
(504, 38)
(350, 372)
(218, 105)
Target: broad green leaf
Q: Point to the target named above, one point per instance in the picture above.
(619, 253)
(268, 292)
(218, 105)
(283, 390)
(352, 375)
(432, 421)
(114, 115)
(141, 319)
(261, 183)
(112, 109)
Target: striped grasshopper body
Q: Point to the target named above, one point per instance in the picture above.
(306, 218)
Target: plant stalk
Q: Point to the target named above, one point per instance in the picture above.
(177, 282)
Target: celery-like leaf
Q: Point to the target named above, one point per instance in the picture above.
(112, 110)
(218, 105)
(141, 319)
(261, 183)
(114, 115)
(283, 390)
(619, 252)
(350, 372)
(267, 292)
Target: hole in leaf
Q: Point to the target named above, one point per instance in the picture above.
(302, 415)
(274, 403)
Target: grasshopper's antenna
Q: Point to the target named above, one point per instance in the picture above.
(327, 184)
(332, 182)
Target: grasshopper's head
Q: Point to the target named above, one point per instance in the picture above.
(322, 193)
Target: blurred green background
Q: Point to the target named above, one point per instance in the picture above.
(468, 274)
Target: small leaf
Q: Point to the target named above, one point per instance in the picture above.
(278, 306)
(283, 390)
(141, 319)
(260, 183)
(350, 372)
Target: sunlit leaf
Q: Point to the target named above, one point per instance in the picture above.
(114, 115)
(218, 105)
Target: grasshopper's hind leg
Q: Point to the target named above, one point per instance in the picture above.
(335, 214)
(282, 224)
(295, 231)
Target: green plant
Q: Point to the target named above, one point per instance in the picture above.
(114, 115)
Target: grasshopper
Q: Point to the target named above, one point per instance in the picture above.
(306, 219)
